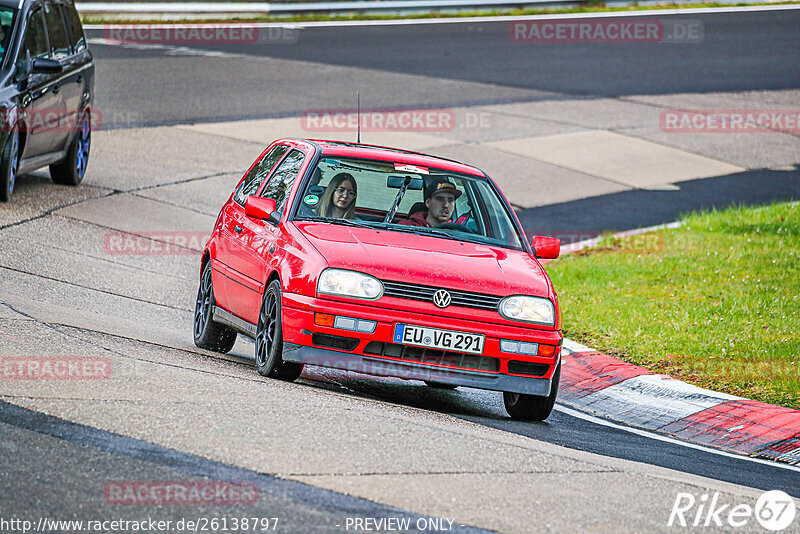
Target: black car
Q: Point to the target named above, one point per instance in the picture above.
(46, 91)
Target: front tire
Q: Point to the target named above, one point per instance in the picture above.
(71, 170)
(533, 407)
(208, 334)
(269, 338)
(9, 165)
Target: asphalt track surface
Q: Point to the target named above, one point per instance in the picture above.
(459, 64)
(739, 52)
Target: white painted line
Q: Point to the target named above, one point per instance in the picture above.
(507, 18)
(666, 439)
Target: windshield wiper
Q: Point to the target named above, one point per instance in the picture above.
(336, 220)
(422, 230)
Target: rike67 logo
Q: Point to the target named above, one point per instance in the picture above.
(774, 510)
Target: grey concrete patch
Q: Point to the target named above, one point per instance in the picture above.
(81, 239)
(35, 194)
(528, 182)
(787, 98)
(129, 213)
(748, 150)
(482, 124)
(95, 273)
(135, 158)
(60, 303)
(617, 158)
(204, 195)
(267, 130)
(598, 114)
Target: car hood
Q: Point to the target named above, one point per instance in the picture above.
(426, 260)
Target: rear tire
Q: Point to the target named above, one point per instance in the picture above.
(71, 170)
(208, 334)
(8, 167)
(269, 338)
(533, 407)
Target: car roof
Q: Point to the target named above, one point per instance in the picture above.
(358, 150)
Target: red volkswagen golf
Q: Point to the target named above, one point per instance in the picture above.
(385, 262)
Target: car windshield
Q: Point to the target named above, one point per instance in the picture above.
(408, 199)
(6, 24)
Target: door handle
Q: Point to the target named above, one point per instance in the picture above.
(79, 79)
(237, 229)
(56, 89)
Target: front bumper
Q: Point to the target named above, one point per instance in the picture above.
(490, 370)
(414, 371)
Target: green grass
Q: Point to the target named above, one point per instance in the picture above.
(715, 302)
(594, 7)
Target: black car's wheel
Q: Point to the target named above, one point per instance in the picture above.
(269, 338)
(533, 407)
(208, 334)
(8, 167)
(440, 385)
(71, 170)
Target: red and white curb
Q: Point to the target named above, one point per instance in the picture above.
(598, 384)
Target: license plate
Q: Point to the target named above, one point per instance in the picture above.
(422, 336)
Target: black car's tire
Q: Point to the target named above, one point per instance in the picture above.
(533, 407)
(71, 170)
(8, 166)
(269, 338)
(440, 385)
(208, 334)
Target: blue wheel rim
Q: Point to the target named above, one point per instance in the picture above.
(12, 172)
(84, 142)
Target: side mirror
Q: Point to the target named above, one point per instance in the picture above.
(261, 208)
(546, 248)
(43, 65)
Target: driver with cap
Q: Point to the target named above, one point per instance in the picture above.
(440, 199)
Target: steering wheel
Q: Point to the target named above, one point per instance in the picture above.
(456, 226)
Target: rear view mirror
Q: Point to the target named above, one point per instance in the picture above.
(396, 182)
(260, 208)
(546, 248)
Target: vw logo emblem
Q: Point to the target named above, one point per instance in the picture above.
(441, 298)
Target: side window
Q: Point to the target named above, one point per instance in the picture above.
(36, 37)
(78, 39)
(283, 178)
(253, 180)
(59, 41)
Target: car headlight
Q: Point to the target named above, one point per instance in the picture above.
(529, 309)
(349, 284)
